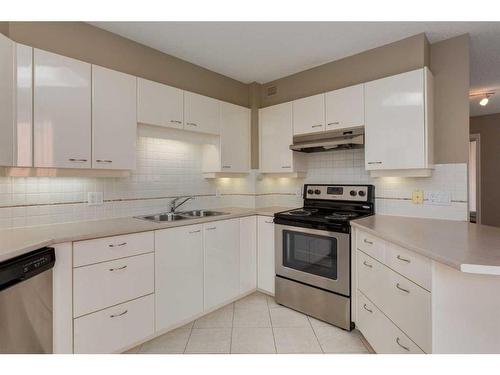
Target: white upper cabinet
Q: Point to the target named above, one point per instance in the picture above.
(309, 115)
(114, 119)
(159, 104)
(235, 138)
(399, 123)
(7, 52)
(62, 111)
(201, 113)
(345, 108)
(276, 136)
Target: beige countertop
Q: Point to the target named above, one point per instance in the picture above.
(467, 247)
(17, 241)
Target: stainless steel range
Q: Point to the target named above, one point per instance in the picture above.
(313, 251)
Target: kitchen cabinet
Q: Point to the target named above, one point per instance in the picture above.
(265, 254)
(399, 124)
(159, 104)
(62, 111)
(16, 99)
(201, 113)
(114, 119)
(248, 254)
(178, 274)
(276, 136)
(309, 115)
(222, 264)
(345, 108)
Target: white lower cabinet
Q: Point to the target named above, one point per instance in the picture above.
(222, 261)
(248, 254)
(115, 328)
(178, 275)
(265, 254)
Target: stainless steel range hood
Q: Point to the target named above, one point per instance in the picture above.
(331, 140)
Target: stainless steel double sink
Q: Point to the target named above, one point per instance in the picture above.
(169, 216)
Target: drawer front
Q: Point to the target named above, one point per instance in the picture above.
(106, 284)
(115, 328)
(409, 264)
(405, 303)
(109, 248)
(371, 245)
(381, 333)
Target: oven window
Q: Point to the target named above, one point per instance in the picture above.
(310, 253)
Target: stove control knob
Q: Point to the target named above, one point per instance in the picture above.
(317, 191)
(353, 193)
(361, 193)
(310, 191)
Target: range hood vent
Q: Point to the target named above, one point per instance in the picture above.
(328, 141)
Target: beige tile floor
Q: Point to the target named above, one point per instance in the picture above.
(255, 325)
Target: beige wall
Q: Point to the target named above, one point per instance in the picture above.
(394, 58)
(88, 43)
(489, 129)
(449, 61)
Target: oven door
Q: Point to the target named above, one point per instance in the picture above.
(315, 257)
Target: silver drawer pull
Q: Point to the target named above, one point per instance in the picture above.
(401, 345)
(374, 162)
(367, 264)
(211, 228)
(317, 126)
(403, 259)
(117, 244)
(226, 166)
(78, 160)
(286, 166)
(195, 231)
(191, 124)
(334, 123)
(118, 268)
(104, 161)
(176, 121)
(367, 309)
(403, 289)
(368, 242)
(118, 315)
(269, 222)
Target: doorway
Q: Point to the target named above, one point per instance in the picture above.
(475, 178)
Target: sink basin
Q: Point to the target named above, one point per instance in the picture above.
(200, 213)
(159, 218)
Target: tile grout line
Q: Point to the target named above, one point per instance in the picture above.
(272, 327)
(315, 335)
(189, 337)
(232, 330)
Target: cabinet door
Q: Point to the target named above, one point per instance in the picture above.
(222, 264)
(309, 115)
(265, 254)
(395, 122)
(62, 111)
(345, 108)
(159, 104)
(114, 119)
(275, 124)
(235, 138)
(7, 51)
(248, 254)
(178, 274)
(201, 113)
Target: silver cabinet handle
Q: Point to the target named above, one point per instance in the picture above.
(368, 242)
(269, 222)
(367, 309)
(334, 123)
(176, 121)
(226, 166)
(117, 244)
(118, 268)
(403, 289)
(104, 161)
(195, 231)
(117, 315)
(286, 166)
(317, 126)
(78, 160)
(401, 345)
(191, 124)
(211, 228)
(374, 162)
(367, 264)
(403, 259)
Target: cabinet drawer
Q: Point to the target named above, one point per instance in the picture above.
(381, 333)
(410, 264)
(115, 328)
(371, 245)
(405, 303)
(109, 248)
(106, 284)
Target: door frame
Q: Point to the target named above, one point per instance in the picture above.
(477, 138)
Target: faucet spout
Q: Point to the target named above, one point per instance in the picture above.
(174, 205)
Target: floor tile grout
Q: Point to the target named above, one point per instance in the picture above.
(315, 335)
(272, 327)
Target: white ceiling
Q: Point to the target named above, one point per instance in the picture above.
(265, 51)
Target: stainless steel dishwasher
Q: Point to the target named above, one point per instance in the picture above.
(26, 303)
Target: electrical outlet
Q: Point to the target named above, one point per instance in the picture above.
(217, 193)
(95, 198)
(439, 198)
(298, 192)
(417, 196)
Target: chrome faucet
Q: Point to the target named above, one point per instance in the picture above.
(174, 205)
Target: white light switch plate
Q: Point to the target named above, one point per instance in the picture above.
(95, 198)
(439, 198)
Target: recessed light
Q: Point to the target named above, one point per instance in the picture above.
(484, 101)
